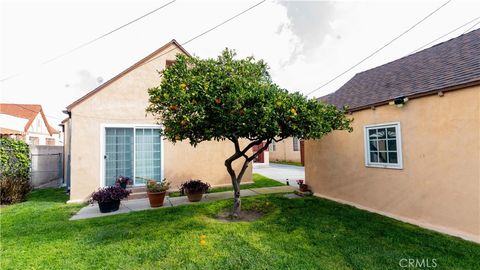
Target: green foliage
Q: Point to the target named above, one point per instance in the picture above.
(14, 158)
(154, 186)
(306, 233)
(14, 170)
(13, 190)
(223, 98)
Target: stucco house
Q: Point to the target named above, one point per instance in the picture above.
(108, 133)
(414, 153)
(288, 149)
(27, 122)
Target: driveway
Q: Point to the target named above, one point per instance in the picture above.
(281, 172)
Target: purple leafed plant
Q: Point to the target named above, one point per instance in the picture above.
(108, 194)
(194, 186)
(123, 180)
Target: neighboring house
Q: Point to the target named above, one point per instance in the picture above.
(288, 149)
(108, 133)
(414, 153)
(27, 122)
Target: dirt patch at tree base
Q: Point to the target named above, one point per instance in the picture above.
(244, 216)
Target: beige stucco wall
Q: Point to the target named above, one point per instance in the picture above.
(284, 151)
(124, 102)
(439, 185)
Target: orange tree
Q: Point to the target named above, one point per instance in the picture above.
(235, 99)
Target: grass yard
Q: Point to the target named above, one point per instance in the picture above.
(307, 233)
(294, 163)
(258, 182)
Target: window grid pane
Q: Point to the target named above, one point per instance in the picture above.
(382, 145)
(148, 157)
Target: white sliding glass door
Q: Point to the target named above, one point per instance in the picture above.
(147, 155)
(135, 152)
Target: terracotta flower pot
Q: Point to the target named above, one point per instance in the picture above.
(156, 198)
(195, 197)
(303, 188)
(106, 207)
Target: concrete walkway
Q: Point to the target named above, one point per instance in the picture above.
(281, 172)
(92, 211)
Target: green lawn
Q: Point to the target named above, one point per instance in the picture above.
(258, 182)
(307, 233)
(294, 163)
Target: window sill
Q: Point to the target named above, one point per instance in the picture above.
(380, 166)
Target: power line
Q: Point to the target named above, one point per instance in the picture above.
(93, 40)
(471, 27)
(210, 29)
(188, 41)
(416, 50)
(381, 48)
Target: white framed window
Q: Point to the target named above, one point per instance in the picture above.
(272, 146)
(296, 144)
(383, 146)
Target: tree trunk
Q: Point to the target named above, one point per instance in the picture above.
(237, 179)
(236, 189)
(237, 203)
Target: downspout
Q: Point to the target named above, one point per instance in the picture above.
(68, 154)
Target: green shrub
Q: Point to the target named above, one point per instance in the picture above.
(14, 170)
(13, 190)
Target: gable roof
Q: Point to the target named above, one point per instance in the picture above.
(26, 111)
(121, 74)
(7, 131)
(450, 65)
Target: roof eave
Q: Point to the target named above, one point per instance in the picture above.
(417, 95)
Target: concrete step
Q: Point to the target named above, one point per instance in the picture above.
(138, 195)
(137, 189)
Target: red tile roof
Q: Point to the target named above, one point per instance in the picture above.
(26, 111)
(450, 65)
(7, 131)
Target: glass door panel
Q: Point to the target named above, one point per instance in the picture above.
(147, 155)
(118, 154)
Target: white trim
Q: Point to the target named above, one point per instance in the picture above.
(366, 143)
(134, 126)
(426, 225)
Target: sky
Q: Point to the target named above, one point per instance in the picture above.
(305, 43)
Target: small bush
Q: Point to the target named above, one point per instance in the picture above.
(14, 170)
(108, 194)
(194, 186)
(13, 190)
(153, 186)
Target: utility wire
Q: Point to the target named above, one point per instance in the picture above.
(186, 42)
(210, 29)
(448, 34)
(378, 50)
(471, 27)
(93, 40)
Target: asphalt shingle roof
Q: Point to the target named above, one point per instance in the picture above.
(445, 66)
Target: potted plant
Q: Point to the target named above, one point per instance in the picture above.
(109, 198)
(156, 192)
(194, 189)
(123, 181)
(301, 186)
